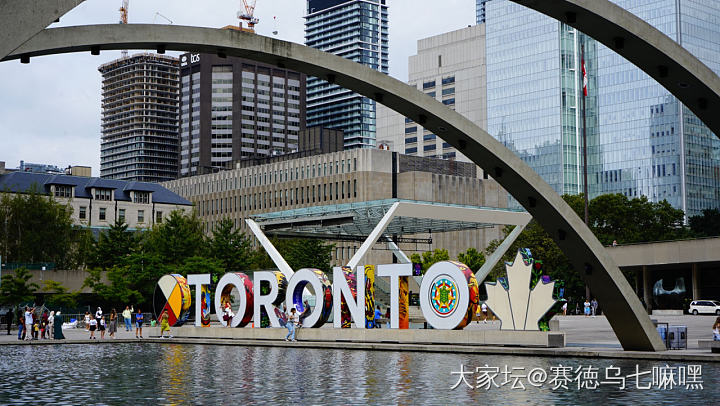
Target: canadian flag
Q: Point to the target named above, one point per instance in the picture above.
(585, 79)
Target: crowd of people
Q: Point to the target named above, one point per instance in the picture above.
(34, 324)
(97, 324)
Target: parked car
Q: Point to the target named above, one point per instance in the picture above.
(704, 306)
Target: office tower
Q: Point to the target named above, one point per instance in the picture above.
(650, 144)
(140, 118)
(534, 83)
(641, 140)
(356, 30)
(233, 109)
(450, 68)
(480, 10)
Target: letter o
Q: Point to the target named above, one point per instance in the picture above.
(323, 295)
(444, 295)
(244, 285)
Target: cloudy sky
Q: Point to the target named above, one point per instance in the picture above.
(50, 109)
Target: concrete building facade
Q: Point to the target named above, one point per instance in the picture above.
(345, 177)
(451, 69)
(234, 108)
(97, 203)
(140, 118)
(356, 30)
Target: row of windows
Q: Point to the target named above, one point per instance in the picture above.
(300, 195)
(102, 215)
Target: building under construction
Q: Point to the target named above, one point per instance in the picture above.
(140, 118)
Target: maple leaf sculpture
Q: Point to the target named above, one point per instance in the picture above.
(519, 307)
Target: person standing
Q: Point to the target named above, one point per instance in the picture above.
(716, 330)
(92, 328)
(101, 327)
(165, 325)
(138, 323)
(28, 324)
(43, 324)
(586, 307)
(98, 315)
(594, 305)
(378, 316)
(484, 309)
(564, 309)
(87, 321)
(228, 314)
(127, 315)
(58, 335)
(112, 328)
(21, 328)
(9, 320)
(291, 321)
(51, 322)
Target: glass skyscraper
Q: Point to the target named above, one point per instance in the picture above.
(534, 82)
(641, 140)
(480, 10)
(356, 30)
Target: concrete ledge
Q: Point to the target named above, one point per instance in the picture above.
(667, 312)
(713, 345)
(542, 339)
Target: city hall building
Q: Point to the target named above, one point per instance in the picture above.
(360, 180)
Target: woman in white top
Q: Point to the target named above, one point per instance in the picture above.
(716, 330)
(51, 323)
(228, 316)
(93, 327)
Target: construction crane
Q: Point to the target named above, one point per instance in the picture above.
(248, 15)
(124, 19)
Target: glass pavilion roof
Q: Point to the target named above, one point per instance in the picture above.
(359, 219)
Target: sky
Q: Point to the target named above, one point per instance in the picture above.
(50, 109)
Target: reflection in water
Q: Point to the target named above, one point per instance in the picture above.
(150, 373)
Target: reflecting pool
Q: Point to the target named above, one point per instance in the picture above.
(152, 373)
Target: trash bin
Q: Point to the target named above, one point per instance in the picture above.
(677, 337)
(662, 329)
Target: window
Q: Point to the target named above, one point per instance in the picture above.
(450, 90)
(428, 85)
(158, 217)
(448, 80)
(63, 191)
(411, 130)
(103, 194)
(449, 102)
(141, 197)
(410, 140)
(141, 216)
(121, 215)
(102, 214)
(82, 214)
(411, 150)
(428, 137)
(429, 147)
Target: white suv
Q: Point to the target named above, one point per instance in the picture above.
(704, 306)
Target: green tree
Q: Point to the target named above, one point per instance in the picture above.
(16, 288)
(298, 253)
(428, 258)
(707, 224)
(230, 247)
(59, 295)
(131, 280)
(473, 258)
(36, 228)
(194, 265)
(176, 239)
(114, 245)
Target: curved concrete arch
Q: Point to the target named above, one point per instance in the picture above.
(21, 19)
(626, 314)
(671, 65)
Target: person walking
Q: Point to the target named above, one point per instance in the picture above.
(165, 326)
(138, 323)
(291, 321)
(112, 327)
(9, 320)
(594, 305)
(127, 315)
(586, 307)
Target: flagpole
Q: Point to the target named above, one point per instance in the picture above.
(585, 159)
